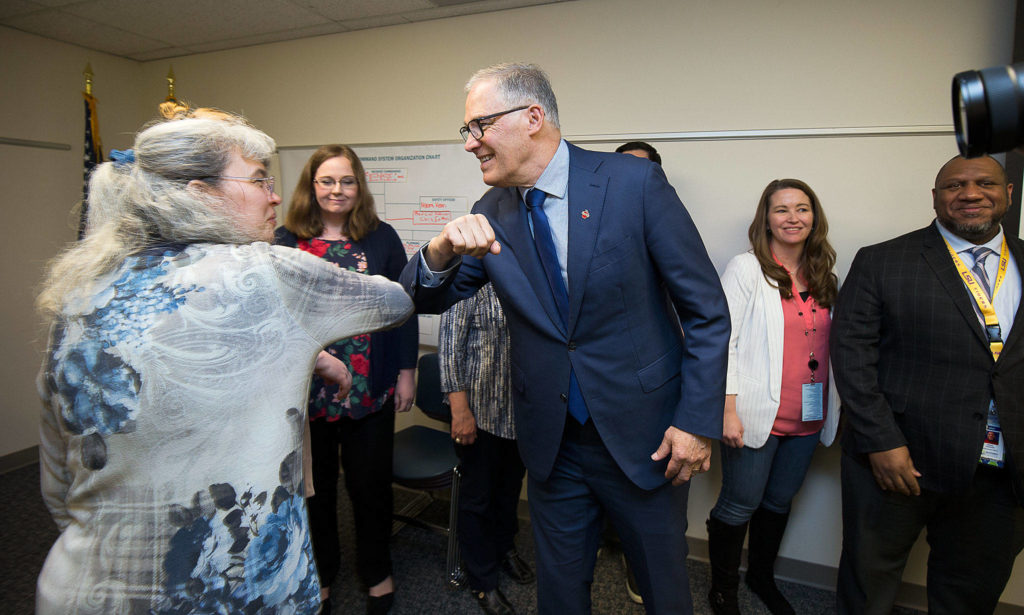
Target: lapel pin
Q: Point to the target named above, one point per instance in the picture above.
(585, 214)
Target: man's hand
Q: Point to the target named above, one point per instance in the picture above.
(405, 390)
(469, 235)
(894, 471)
(463, 421)
(688, 455)
(332, 370)
(732, 426)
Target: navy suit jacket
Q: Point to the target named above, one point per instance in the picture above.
(635, 261)
(913, 366)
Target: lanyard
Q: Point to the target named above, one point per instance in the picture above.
(808, 310)
(995, 339)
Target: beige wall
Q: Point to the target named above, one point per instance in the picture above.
(42, 81)
(619, 67)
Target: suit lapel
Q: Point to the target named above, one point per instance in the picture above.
(937, 255)
(586, 204)
(513, 220)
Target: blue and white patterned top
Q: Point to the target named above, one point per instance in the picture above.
(171, 444)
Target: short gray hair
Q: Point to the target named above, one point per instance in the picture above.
(520, 84)
(136, 205)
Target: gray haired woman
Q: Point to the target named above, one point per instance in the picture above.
(175, 382)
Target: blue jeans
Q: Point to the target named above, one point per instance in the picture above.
(766, 477)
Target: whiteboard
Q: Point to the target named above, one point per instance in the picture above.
(416, 188)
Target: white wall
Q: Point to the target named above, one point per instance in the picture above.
(619, 67)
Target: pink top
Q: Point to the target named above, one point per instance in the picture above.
(806, 329)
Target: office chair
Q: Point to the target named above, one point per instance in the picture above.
(425, 461)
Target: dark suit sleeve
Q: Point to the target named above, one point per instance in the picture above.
(461, 284)
(856, 339)
(692, 283)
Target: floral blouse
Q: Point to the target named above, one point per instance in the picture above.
(171, 442)
(354, 351)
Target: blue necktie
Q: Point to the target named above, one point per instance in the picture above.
(549, 259)
(546, 248)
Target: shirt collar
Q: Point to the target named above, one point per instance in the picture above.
(959, 244)
(555, 178)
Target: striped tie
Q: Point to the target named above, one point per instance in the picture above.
(980, 253)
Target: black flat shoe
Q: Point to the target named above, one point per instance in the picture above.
(493, 602)
(517, 569)
(379, 605)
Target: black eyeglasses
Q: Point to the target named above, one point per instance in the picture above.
(476, 126)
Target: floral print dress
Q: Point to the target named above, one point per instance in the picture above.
(171, 444)
(354, 351)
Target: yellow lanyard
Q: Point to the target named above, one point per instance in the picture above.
(995, 340)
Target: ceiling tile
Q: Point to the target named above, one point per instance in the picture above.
(454, 2)
(190, 22)
(375, 22)
(12, 8)
(478, 6)
(55, 3)
(350, 10)
(269, 37)
(147, 30)
(160, 54)
(56, 24)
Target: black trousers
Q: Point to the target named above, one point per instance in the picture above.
(973, 540)
(492, 478)
(367, 446)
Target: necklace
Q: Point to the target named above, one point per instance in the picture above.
(810, 321)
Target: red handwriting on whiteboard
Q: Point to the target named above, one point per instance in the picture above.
(431, 216)
(385, 176)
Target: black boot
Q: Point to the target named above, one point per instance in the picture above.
(766, 529)
(725, 545)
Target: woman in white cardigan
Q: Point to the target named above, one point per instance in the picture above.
(780, 401)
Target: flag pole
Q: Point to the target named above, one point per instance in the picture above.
(87, 73)
(93, 149)
(170, 86)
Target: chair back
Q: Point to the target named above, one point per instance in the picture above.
(429, 398)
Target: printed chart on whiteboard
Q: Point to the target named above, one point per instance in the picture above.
(416, 188)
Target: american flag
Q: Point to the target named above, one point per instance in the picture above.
(93, 155)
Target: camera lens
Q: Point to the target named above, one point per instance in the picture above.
(987, 113)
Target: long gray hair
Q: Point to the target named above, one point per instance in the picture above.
(520, 84)
(149, 202)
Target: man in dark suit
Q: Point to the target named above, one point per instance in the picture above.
(927, 350)
(615, 407)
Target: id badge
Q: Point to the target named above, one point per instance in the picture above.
(992, 450)
(812, 409)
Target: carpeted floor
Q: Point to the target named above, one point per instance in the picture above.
(418, 558)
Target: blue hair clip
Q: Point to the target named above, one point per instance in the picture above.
(121, 158)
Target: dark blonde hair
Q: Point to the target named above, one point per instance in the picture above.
(303, 217)
(818, 258)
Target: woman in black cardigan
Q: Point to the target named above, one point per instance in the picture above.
(332, 215)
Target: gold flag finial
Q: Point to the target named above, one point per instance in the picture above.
(170, 86)
(87, 73)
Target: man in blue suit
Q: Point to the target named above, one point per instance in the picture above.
(596, 263)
